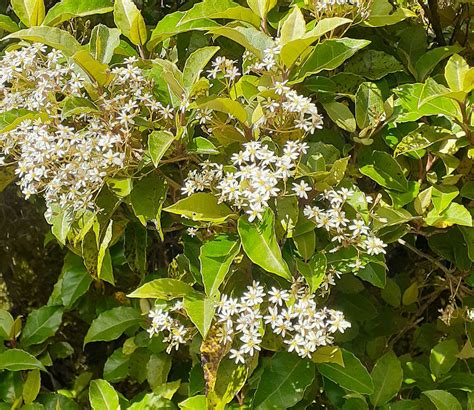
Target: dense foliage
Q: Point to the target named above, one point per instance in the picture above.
(219, 204)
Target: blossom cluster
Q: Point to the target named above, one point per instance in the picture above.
(225, 67)
(256, 179)
(344, 231)
(293, 315)
(163, 322)
(355, 9)
(62, 153)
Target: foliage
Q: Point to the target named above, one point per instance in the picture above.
(255, 204)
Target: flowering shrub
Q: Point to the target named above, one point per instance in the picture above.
(259, 204)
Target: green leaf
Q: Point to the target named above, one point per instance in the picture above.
(32, 386)
(147, 199)
(328, 354)
(104, 266)
(116, 366)
(51, 36)
(250, 38)
(314, 271)
(73, 105)
(353, 376)
(68, 9)
(41, 324)
(329, 55)
(220, 9)
(76, 280)
(455, 73)
(200, 310)
(283, 382)
(369, 107)
(374, 273)
(158, 144)
(163, 288)
(411, 294)
(443, 357)
(15, 360)
(261, 246)
(373, 64)
(382, 13)
(261, 7)
(6, 324)
(172, 24)
(294, 49)
(443, 400)
(216, 256)
(30, 12)
(9, 120)
(293, 27)
(201, 206)
(423, 137)
(225, 105)
(109, 325)
(130, 21)
(341, 115)
(453, 214)
(442, 196)
(103, 42)
(7, 24)
(387, 376)
(429, 60)
(94, 69)
(157, 369)
(195, 63)
(103, 396)
(194, 403)
(409, 99)
(386, 171)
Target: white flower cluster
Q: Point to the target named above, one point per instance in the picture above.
(343, 8)
(225, 67)
(162, 322)
(258, 172)
(344, 231)
(293, 315)
(67, 156)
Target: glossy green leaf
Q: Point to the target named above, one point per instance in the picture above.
(341, 115)
(103, 42)
(373, 64)
(260, 244)
(455, 73)
(443, 357)
(353, 376)
(30, 12)
(158, 144)
(130, 21)
(195, 63)
(283, 382)
(443, 400)
(7, 24)
(386, 171)
(41, 324)
(51, 36)
(314, 271)
(225, 105)
(429, 60)
(382, 13)
(103, 396)
(6, 324)
(369, 109)
(164, 288)
(95, 70)
(15, 360)
(329, 55)
(76, 280)
(216, 256)
(293, 27)
(110, 324)
(68, 9)
(454, 214)
(387, 376)
(200, 310)
(201, 207)
(32, 386)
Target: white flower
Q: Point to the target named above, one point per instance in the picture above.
(237, 356)
(301, 189)
(374, 245)
(192, 232)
